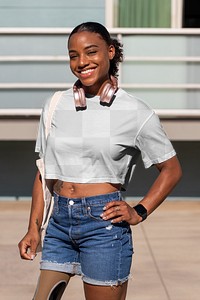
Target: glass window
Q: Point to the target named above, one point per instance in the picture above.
(191, 14)
(144, 13)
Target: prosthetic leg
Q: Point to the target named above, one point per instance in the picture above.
(51, 285)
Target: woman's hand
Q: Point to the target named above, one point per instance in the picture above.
(28, 245)
(169, 175)
(119, 211)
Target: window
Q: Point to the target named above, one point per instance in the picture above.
(191, 14)
(144, 13)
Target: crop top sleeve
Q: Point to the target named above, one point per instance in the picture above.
(153, 143)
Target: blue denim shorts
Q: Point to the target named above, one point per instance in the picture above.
(78, 241)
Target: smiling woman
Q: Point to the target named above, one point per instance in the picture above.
(90, 63)
(90, 152)
(90, 57)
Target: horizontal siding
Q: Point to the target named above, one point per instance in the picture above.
(52, 3)
(50, 13)
(36, 72)
(33, 45)
(137, 72)
(163, 99)
(60, 72)
(24, 99)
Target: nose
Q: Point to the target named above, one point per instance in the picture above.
(83, 61)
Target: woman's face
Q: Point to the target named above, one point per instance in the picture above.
(90, 59)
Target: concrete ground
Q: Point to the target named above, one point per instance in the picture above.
(166, 263)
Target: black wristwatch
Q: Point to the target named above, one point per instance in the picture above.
(141, 211)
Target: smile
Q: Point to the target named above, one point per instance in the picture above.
(87, 71)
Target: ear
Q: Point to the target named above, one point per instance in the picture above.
(111, 52)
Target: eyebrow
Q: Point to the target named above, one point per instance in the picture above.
(86, 48)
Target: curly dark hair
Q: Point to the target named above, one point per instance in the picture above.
(103, 32)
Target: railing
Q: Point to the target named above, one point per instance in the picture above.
(60, 58)
(116, 31)
(52, 85)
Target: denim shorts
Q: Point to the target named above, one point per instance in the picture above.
(78, 241)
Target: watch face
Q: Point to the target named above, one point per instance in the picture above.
(141, 211)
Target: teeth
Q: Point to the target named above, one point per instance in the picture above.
(86, 71)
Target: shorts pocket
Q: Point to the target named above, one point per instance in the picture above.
(94, 212)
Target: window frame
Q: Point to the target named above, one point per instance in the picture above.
(111, 16)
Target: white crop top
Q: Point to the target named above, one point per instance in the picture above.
(101, 144)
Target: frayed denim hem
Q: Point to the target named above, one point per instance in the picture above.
(111, 283)
(71, 268)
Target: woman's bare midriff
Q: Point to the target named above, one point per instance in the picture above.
(79, 190)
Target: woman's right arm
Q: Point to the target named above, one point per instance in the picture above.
(29, 243)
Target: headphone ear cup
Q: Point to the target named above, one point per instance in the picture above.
(107, 95)
(79, 96)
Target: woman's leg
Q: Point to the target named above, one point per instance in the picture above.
(51, 285)
(105, 292)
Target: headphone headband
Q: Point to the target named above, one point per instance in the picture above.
(107, 94)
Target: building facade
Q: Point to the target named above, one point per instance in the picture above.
(162, 66)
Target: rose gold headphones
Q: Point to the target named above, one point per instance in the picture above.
(107, 95)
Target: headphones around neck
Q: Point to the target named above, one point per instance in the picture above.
(107, 94)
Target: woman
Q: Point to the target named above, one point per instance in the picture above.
(97, 133)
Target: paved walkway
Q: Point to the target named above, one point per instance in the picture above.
(166, 264)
